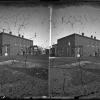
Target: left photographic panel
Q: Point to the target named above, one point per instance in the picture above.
(24, 50)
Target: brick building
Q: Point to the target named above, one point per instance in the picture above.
(13, 45)
(73, 44)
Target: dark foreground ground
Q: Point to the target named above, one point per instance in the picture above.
(24, 78)
(70, 77)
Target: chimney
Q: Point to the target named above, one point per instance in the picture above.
(94, 37)
(82, 34)
(10, 32)
(91, 36)
(22, 36)
(3, 30)
(19, 35)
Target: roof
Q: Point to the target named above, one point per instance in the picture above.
(80, 36)
(2, 33)
(87, 37)
(67, 36)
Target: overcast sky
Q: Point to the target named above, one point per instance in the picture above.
(75, 19)
(65, 20)
(27, 21)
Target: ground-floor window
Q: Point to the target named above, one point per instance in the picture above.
(79, 50)
(5, 50)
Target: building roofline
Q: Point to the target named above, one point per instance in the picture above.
(3, 33)
(67, 36)
(78, 35)
(87, 37)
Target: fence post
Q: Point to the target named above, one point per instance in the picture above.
(81, 75)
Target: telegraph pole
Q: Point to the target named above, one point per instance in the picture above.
(35, 35)
(50, 24)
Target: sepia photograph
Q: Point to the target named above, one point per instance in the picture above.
(75, 50)
(24, 49)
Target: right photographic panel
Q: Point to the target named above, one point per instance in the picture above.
(75, 50)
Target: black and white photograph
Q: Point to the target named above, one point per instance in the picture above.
(50, 49)
(75, 50)
(24, 49)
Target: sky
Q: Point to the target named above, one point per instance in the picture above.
(27, 21)
(75, 19)
(32, 20)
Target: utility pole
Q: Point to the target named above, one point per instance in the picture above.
(35, 35)
(50, 20)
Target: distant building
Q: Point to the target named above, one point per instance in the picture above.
(74, 44)
(37, 50)
(43, 51)
(13, 45)
(47, 51)
(53, 50)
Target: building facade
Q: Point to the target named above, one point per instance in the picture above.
(13, 45)
(74, 44)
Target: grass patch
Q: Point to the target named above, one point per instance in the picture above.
(71, 81)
